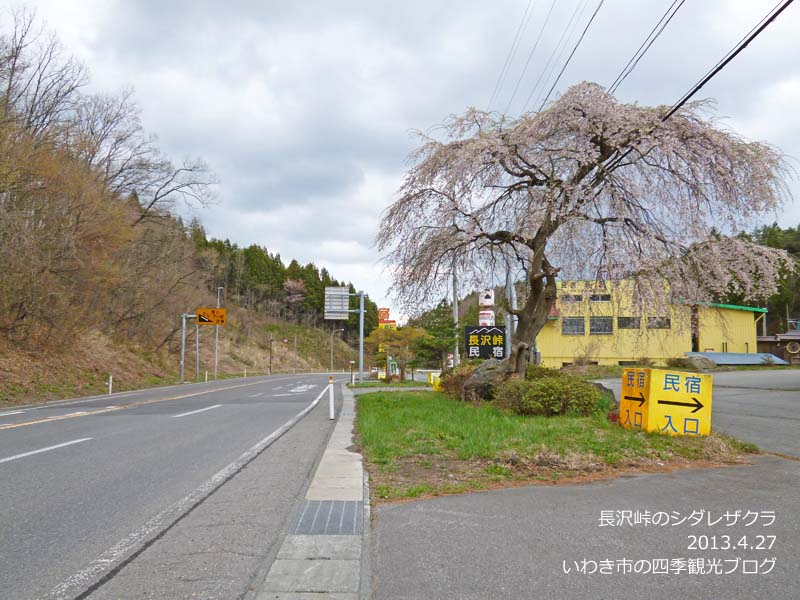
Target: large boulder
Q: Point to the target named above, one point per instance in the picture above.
(701, 363)
(481, 384)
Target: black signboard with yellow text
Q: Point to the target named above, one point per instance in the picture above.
(485, 342)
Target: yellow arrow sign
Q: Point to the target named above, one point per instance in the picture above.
(211, 316)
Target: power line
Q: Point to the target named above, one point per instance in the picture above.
(741, 45)
(530, 55)
(753, 34)
(553, 54)
(645, 46)
(523, 24)
(571, 54)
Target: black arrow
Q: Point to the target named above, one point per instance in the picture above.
(696, 404)
(640, 399)
(203, 319)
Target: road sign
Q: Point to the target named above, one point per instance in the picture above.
(337, 303)
(672, 402)
(485, 342)
(211, 316)
(486, 318)
(486, 298)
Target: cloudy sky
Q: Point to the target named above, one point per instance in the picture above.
(304, 108)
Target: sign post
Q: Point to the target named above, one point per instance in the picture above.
(673, 402)
(330, 398)
(337, 308)
(485, 342)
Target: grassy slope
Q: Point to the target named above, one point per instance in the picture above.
(426, 443)
(83, 369)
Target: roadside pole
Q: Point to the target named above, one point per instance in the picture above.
(184, 316)
(330, 398)
(456, 358)
(270, 354)
(361, 337)
(216, 337)
(196, 351)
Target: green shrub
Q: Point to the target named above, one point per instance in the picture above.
(548, 396)
(533, 372)
(511, 395)
(452, 382)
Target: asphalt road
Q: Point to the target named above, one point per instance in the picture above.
(93, 478)
(762, 407)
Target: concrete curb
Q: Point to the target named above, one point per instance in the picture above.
(323, 552)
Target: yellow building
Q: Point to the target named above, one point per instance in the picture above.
(597, 323)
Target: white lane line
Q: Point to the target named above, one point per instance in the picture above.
(40, 450)
(194, 412)
(78, 583)
(256, 395)
(279, 395)
(16, 412)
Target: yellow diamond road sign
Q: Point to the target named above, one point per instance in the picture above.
(672, 402)
(211, 316)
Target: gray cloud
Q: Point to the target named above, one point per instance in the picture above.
(304, 108)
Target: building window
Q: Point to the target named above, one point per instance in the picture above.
(571, 298)
(601, 325)
(600, 298)
(724, 346)
(629, 322)
(573, 326)
(658, 323)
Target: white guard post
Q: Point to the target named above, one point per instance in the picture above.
(330, 397)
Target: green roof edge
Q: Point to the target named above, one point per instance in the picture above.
(720, 305)
(737, 307)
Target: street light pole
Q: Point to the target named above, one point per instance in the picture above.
(361, 337)
(216, 336)
(335, 331)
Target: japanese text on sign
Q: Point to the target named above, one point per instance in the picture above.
(485, 342)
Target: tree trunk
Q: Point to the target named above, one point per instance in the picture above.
(533, 316)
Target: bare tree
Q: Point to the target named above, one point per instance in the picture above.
(588, 188)
(39, 82)
(107, 133)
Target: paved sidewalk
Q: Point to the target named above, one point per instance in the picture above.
(322, 554)
(531, 542)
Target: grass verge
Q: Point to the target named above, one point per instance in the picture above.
(425, 443)
(396, 384)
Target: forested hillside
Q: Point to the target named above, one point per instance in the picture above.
(93, 254)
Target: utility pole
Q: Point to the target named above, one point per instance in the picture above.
(196, 351)
(216, 337)
(456, 359)
(361, 337)
(296, 358)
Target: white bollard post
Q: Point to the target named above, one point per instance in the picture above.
(330, 396)
(206, 376)
(245, 373)
(110, 383)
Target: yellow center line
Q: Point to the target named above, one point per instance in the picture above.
(100, 411)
